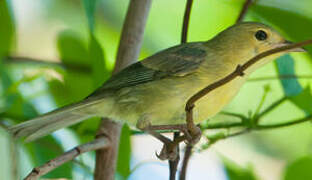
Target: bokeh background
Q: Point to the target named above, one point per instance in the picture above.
(55, 52)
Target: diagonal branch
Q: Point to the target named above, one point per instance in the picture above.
(101, 142)
(244, 10)
(239, 71)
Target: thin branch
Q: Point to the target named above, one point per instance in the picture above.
(128, 52)
(244, 131)
(271, 107)
(244, 10)
(255, 128)
(173, 165)
(186, 21)
(224, 125)
(279, 125)
(187, 156)
(239, 71)
(44, 63)
(286, 76)
(185, 28)
(99, 143)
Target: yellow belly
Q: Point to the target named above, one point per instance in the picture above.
(163, 104)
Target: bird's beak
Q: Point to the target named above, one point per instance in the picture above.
(286, 42)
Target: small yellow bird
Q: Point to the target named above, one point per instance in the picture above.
(154, 91)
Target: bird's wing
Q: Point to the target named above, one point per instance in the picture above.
(176, 61)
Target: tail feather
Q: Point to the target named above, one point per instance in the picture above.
(47, 123)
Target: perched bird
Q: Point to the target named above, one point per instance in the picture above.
(154, 91)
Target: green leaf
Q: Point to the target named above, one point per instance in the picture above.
(286, 66)
(99, 69)
(89, 6)
(124, 154)
(299, 169)
(78, 81)
(235, 172)
(7, 29)
(303, 100)
(72, 49)
(292, 88)
(15, 107)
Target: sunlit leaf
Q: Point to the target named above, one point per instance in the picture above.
(99, 69)
(124, 154)
(72, 49)
(77, 82)
(303, 100)
(235, 172)
(299, 169)
(7, 27)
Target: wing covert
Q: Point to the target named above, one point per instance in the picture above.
(176, 61)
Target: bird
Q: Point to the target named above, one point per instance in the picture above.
(154, 91)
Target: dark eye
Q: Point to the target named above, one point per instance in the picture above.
(261, 35)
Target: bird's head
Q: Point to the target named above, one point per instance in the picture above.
(243, 41)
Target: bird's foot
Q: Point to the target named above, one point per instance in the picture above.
(192, 135)
(169, 151)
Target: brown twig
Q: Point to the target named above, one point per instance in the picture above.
(186, 21)
(101, 142)
(244, 10)
(128, 52)
(185, 27)
(186, 158)
(173, 165)
(239, 71)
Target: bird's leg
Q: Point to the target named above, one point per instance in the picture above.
(169, 150)
(189, 135)
(193, 132)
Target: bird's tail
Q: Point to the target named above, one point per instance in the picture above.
(52, 121)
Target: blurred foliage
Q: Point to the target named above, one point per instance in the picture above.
(236, 172)
(299, 169)
(87, 34)
(7, 29)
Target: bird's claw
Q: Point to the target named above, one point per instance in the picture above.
(168, 152)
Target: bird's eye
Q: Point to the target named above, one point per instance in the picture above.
(261, 35)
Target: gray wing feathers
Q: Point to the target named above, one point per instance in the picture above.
(177, 61)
